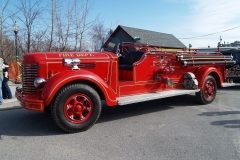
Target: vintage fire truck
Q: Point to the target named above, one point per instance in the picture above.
(72, 85)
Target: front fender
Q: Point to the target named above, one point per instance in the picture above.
(53, 85)
(203, 72)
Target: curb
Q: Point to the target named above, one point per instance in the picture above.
(10, 108)
(9, 100)
(10, 104)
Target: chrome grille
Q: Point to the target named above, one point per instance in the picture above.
(29, 73)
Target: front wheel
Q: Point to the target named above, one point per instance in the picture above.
(76, 108)
(208, 93)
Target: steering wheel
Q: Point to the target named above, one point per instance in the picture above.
(125, 54)
(126, 50)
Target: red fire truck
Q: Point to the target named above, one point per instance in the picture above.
(72, 85)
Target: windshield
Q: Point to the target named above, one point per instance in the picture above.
(111, 45)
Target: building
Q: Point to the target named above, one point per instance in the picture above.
(166, 41)
(234, 44)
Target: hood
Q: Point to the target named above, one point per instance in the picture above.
(35, 57)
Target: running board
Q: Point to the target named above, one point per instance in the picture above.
(228, 84)
(151, 96)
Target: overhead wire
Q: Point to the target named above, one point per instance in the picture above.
(211, 33)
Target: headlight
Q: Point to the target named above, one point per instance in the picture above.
(39, 82)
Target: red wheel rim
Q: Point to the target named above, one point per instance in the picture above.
(209, 89)
(78, 108)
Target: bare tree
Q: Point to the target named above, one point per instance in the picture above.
(3, 38)
(53, 12)
(63, 29)
(109, 33)
(8, 49)
(64, 26)
(82, 22)
(38, 41)
(29, 12)
(97, 33)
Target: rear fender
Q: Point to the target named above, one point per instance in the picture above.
(54, 84)
(202, 73)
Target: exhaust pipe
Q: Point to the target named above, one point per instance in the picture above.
(187, 63)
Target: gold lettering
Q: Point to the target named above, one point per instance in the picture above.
(83, 54)
(65, 55)
(77, 54)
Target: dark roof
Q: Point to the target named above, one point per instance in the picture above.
(153, 38)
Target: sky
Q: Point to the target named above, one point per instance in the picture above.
(200, 23)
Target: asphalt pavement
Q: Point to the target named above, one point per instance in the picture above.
(173, 128)
(11, 103)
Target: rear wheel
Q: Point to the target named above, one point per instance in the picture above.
(76, 108)
(208, 93)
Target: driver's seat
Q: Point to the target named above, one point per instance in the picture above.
(126, 62)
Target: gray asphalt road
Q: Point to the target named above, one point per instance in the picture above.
(171, 128)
